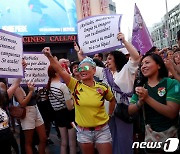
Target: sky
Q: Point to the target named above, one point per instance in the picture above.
(152, 11)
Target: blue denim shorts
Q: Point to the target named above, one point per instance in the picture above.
(102, 135)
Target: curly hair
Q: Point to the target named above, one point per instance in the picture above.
(119, 59)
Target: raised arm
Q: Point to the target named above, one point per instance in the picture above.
(21, 95)
(13, 87)
(131, 49)
(172, 67)
(79, 52)
(16, 83)
(57, 67)
(177, 67)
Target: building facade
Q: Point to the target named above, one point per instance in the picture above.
(164, 33)
(159, 35)
(86, 8)
(112, 7)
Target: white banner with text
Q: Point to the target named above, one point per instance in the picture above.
(36, 70)
(11, 50)
(99, 33)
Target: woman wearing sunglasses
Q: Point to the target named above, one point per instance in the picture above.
(120, 71)
(90, 114)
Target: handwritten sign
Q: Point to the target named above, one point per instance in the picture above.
(11, 49)
(36, 70)
(99, 33)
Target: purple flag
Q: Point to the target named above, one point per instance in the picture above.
(141, 38)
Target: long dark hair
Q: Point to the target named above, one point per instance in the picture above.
(162, 72)
(119, 59)
(51, 74)
(140, 79)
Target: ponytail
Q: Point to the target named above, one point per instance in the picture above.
(51, 74)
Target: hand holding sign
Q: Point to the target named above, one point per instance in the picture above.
(120, 37)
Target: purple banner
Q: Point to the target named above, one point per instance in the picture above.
(141, 38)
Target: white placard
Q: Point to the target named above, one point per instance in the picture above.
(36, 70)
(11, 49)
(99, 33)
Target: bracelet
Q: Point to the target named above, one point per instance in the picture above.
(138, 106)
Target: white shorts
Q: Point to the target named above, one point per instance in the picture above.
(33, 118)
(100, 136)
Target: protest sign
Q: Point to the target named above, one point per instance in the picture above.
(11, 49)
(99, 33)
(36, 70)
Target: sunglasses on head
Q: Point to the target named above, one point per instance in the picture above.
(85, 68)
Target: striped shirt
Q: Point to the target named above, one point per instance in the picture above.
(58, 94)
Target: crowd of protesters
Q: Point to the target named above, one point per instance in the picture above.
(82, 97)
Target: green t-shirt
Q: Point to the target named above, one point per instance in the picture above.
(167, 90)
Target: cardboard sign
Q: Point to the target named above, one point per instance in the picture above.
(99, 33)
(36, 70)
(11, 49)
